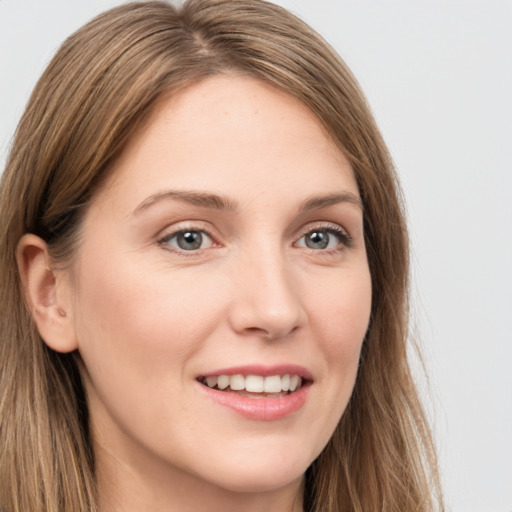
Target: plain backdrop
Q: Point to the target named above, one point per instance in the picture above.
(438, 75)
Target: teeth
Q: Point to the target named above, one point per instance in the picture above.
(272, 384)
(223, 381)
(285, 383)
(255, 383)
(211, 381)
(237, 382)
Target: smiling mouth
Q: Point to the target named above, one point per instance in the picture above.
(256, 386)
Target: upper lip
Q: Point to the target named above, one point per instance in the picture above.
(263, 370)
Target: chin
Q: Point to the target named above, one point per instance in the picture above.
(265, 475)
(249, 482)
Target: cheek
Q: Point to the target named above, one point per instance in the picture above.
(138, 331)
(342, 320)
(134, 319)
(344, 312)
(338, 321)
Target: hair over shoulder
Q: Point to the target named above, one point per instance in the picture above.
(102, 85)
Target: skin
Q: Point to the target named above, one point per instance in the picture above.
(149, 317)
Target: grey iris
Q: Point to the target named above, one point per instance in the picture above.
(317, 240)
(189, 240)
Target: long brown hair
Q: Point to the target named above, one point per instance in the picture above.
(101, 85)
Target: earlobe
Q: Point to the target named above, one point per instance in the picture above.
(47, 294)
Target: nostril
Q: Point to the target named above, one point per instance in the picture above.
(273, 332)
(255, 330)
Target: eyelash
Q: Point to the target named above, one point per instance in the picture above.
(165, 239)
(344, 239)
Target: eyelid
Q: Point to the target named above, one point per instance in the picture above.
(339, 231)
(175, 229)
(345, 239)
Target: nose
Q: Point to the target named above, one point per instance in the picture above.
(267, 301)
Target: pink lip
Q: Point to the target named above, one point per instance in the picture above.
(261, 408)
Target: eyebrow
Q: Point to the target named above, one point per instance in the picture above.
(319, 202)
(218, 202)
(203, 199)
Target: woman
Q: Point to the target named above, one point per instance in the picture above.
(205, 277)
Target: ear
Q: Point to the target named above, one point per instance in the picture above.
(47, 293)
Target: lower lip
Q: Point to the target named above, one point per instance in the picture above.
(261, 409)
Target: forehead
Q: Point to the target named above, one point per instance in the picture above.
(231, 135)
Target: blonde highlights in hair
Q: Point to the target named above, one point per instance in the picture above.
(99, 88)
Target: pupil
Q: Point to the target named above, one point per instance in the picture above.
(317, 240)
(190, 240)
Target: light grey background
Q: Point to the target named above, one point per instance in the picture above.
(438, 74)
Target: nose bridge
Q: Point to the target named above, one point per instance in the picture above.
(267, 299)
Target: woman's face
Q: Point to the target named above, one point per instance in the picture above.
(225, 249)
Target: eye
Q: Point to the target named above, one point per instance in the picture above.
(188, 240)
(324, 238)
